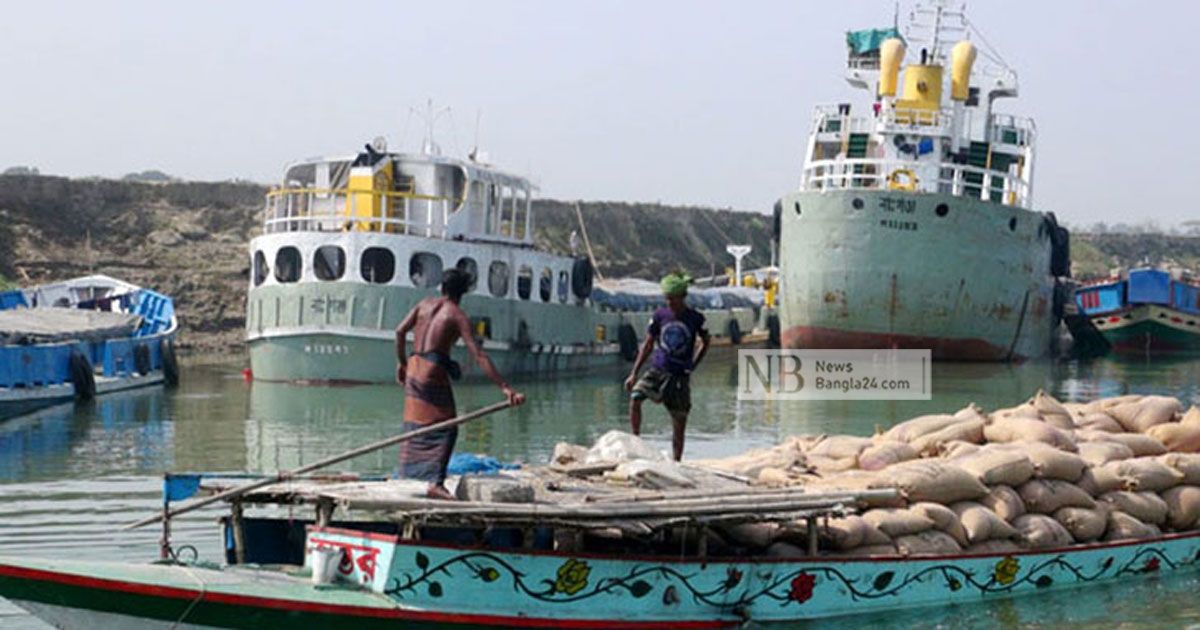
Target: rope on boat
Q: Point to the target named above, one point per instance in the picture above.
(199, 596)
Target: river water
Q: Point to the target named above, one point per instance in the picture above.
(71, 475)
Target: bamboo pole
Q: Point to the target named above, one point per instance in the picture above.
(328, 461)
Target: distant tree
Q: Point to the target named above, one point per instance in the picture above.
(151, 176)
(21, 170)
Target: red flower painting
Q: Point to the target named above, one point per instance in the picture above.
(1151, 565)
(802, 588)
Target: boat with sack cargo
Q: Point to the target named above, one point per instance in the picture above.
(914, 223)
(351, 243)
(964, 507)
(81, 338)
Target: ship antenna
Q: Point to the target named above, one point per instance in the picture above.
(474, 154)
(429, 147)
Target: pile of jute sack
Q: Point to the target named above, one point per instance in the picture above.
(1041, 475)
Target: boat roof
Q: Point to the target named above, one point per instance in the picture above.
(50, 324)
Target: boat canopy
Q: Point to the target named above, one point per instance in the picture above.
(868, 40)
(24, 326)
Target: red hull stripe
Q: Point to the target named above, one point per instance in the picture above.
(168, 592)
(958, 349)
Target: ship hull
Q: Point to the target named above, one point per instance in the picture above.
(886, 269)
(1151, 329)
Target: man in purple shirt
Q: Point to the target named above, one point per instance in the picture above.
(673, 335)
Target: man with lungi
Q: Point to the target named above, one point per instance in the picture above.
(436, 324)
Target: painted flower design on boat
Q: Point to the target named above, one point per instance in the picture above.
(572, 577)
(802, 587)
(1152, 565)
(733, 577)
(1006, 570)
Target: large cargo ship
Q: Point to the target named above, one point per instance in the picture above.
(914, 225)
(351, 243)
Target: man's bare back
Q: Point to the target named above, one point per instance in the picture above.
(439, 323)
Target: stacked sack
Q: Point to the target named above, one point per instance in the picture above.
(1041, 475)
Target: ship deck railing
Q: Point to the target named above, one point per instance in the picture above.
(345, 209)
(959, 180)
(831, 121)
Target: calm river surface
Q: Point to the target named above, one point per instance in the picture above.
(70, 476)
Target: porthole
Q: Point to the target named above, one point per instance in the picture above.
(941, 210)
(564, 286)
(329, 262)
(498, 278)
(260, 268)
(546, 285)
(857, 203)
(467, 265)
(524, 282)
(378, 265)
(425, 270)
(1012, 224)
(287, 264)
(797, 204)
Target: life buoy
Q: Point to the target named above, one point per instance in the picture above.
(734, 329)
(902, 179)
(141, 359)
(627, 341)
(581, 278)
(170, 365)
(83, 378)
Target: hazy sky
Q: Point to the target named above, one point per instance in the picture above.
(683, 102)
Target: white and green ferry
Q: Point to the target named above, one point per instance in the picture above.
(914, 226)
(351, 243)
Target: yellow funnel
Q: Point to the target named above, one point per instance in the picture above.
(962, 57)
(891, 53)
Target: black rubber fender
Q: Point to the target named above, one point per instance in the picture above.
(581, 278)
(627, 340)
(83, 378)
(773, 330)
(141, 359)
(170, 364)
(734, 330)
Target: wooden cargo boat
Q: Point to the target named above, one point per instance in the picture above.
(1145, 312)
(485, 564)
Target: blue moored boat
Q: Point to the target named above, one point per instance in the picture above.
(82, 338)
(1147, 311)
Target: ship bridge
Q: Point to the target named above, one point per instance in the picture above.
(420, 195)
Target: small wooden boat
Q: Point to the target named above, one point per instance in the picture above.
(426, 563)
(1146, 312)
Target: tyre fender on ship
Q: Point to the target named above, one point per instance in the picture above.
(734, 330)
(83, 378)
(773, 330)
(141, 359)
(1060, 247)
(627, 340)
(170, 365)
(581, 278)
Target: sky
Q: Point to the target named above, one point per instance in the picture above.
(700, 103)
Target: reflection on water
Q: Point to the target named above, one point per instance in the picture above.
(70, 475)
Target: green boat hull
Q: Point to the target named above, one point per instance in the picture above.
(1150, 329)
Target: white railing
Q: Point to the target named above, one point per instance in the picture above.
(873, 174)
(337, 210)
(833, 119)
(1023, 128)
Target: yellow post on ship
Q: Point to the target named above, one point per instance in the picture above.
(366, 196)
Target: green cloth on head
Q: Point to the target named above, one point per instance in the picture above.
(675, 284)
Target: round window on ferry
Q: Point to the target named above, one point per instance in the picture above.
(329, 262)
(425, 270)
(498, 278)
(287, 264)
(467, 265)
(378, 265)
(524, 282)
(564, 286)
(546, 285)
(260, 268)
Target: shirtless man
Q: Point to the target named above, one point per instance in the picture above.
(436, 323)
